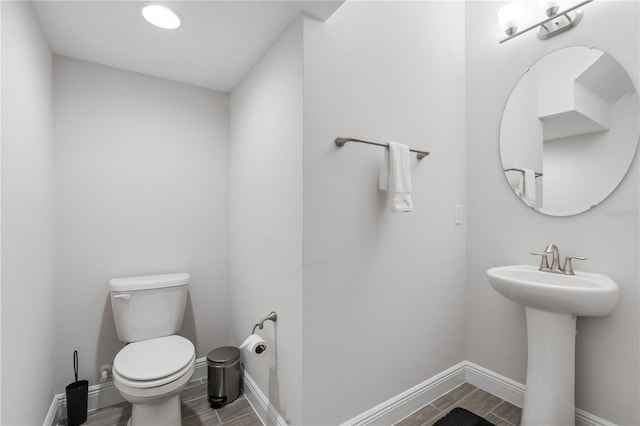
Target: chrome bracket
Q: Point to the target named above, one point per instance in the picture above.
(271, 317)
(560, 24)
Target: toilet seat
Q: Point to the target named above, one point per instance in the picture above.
(154, 362)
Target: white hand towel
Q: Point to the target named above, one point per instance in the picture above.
(529, 194)
(519, 184)
(395, 177)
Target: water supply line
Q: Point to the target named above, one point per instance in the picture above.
(105, 372)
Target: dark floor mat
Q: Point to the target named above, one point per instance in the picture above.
(461, 417)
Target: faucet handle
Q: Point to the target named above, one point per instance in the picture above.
(568, 267)
(544, 264)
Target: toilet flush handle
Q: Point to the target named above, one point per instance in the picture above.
(125, 297)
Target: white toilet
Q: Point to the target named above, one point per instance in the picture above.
(151, 371)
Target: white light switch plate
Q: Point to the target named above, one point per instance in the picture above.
(458, 219)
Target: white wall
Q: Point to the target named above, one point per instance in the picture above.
(28, 289)
(502, 230)
(266, 218)
(384, 294)
(0, 211)
(142, 188)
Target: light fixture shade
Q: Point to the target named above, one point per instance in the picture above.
(161, 16)
(509, 16)
(550, 7)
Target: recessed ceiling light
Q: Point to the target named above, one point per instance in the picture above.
(161, 16)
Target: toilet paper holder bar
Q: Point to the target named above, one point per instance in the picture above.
(271, 317)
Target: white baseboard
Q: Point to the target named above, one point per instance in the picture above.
(52, 415)
(387, 412)
(268, 414)
(401, 405)
(201, 370)
(494, 383)
(405, 403)
(587, 419)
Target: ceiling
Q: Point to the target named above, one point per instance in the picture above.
(217, 44)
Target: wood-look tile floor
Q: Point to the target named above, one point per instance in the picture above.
(195, 412)
(469, 397)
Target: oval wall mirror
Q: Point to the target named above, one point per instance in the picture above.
(569, 131)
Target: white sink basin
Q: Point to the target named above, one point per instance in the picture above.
(552, 302)
(582, 294)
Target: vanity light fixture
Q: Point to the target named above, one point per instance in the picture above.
(557, 21)
(160, 15)
(509, 16)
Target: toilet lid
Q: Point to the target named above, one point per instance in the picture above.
(154, 359)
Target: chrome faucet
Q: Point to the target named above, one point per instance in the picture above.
(555, 268)
(555, 257)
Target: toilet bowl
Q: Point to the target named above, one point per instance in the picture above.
(156, 364)
(151, 374)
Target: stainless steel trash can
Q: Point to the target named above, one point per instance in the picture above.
(223, 375)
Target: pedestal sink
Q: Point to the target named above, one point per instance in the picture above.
(552, 301)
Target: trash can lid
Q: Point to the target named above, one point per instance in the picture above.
(224, 355)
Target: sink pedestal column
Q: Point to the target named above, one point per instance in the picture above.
(550, 394)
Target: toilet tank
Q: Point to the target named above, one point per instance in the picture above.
(148, 306)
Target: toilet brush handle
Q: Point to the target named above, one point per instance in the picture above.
(75, 364)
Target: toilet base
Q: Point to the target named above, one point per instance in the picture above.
(155, 406)
(164, 412)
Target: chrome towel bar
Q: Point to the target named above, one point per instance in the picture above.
(513, 169)
(341, 141)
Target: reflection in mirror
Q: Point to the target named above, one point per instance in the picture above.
(569, 131)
